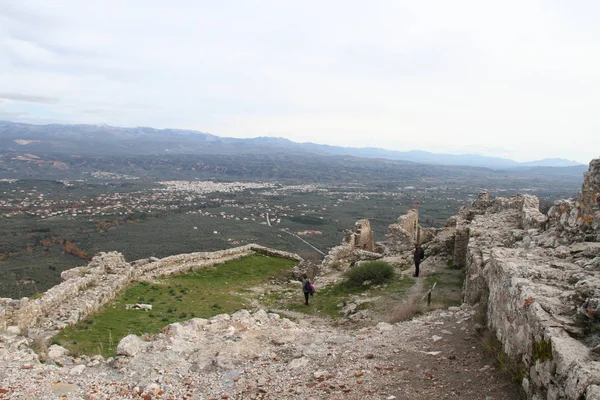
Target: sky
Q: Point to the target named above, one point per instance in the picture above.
(515, 79)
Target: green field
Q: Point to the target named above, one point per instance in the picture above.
(203, 294)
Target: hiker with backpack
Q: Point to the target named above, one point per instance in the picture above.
(418, 256)
(307, 288)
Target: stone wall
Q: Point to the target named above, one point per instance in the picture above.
(404, 233)
(410, 223)
(86, 289)
(362, 236)
(579, 219)
(540, 297)
(589, 197)
(461, 243)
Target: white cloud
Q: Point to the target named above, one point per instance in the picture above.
(509, 78)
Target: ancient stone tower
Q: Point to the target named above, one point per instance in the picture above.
(362, 237)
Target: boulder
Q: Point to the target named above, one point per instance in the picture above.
(130, 345)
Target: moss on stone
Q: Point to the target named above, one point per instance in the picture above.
(542, 350)
(510, 365)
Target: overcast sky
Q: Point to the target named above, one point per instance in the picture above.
(517, 79)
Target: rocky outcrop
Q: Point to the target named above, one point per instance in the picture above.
(86, 289)
(540, 286)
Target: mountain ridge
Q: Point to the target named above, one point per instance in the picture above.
(110, 140)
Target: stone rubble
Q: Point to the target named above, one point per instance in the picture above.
(243, 356)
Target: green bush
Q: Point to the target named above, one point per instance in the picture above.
(375, 272)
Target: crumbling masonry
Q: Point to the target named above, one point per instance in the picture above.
(538, 279)
(85, 289)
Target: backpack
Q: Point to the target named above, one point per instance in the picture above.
(311, 289)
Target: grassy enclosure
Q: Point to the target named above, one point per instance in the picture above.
(203, 293)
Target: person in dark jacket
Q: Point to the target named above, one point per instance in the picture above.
(305, 288)
(418, 255)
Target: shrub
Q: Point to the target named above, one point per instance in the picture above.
(375, 272)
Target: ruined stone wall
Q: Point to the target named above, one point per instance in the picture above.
(539, 296)
(579, 219)
(533, 321)
(590, 195)
(362, 237)
(410, 223)
(461, 243)
(86, 289)
(404, 233)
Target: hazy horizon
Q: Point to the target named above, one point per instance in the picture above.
(513, 80)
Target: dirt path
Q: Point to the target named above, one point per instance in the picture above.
(446, 361)
(438, 356)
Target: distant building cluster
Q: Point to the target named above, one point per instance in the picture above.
(112, 175)
(211, 187)
(309, 232)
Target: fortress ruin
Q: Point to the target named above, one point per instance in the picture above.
(535, 277)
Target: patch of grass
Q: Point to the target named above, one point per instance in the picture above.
(375, 272)
(326, 300)
(204, 293)
(448, 288)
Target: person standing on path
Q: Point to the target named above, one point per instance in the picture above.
(305, 287)
(418, 255)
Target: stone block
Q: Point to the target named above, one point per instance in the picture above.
(130, 345)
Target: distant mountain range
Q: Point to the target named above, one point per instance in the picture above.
(108, 140)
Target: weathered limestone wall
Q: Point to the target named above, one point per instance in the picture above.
(86, 289)
(410, 223)
(461, 243)
(590, 195)
(533, 320)
(540, 297)
(362, 237)
(404, 233)
(531, 217)
(579, 219)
